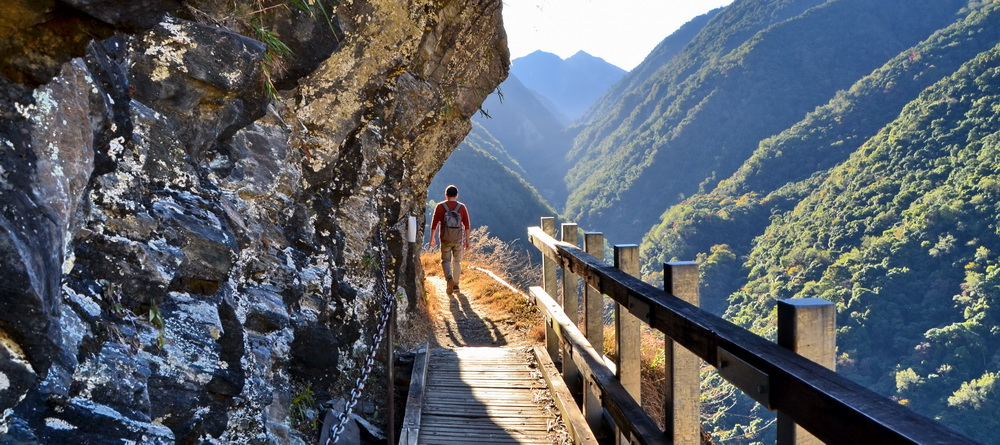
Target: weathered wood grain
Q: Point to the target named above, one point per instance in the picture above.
(414, 400)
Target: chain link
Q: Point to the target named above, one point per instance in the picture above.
(359, 384)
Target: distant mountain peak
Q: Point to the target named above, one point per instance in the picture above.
(572, 85)
(539, 55)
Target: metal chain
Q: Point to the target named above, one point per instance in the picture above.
(359, 385)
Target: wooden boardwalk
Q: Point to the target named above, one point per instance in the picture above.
(485, 396)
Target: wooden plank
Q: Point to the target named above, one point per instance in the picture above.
(473, 424)
(563, 399)
(571, 306)
(549, 267)
(414, 399)
(549, 283)
(570, 282)
(831, 407)
(625, 412)
(514, 404)
(485, 395)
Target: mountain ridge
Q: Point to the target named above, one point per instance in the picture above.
(572, 84)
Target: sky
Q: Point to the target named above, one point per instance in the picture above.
(622, 32)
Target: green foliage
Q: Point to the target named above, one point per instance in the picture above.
(303, 409)
(756, 70)
(907, 379)
(899, 237)
(370, 260)
(276, 50)
(155, 316)
(976, 393)
(112, 294)
(253, 18)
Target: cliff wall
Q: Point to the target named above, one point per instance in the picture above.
(182, 246)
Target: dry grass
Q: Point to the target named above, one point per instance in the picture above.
(652, 368)
(430, 260)
(500, 303)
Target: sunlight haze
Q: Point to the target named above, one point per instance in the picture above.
(621, 32)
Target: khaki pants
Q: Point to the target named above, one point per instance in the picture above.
(451, 255)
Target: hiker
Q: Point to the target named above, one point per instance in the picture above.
(452, 217)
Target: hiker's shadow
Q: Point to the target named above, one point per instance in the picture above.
(472, 330)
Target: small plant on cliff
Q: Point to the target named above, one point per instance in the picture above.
(370, 261)
(112, 295)
(254, 18)
(272, 63)
(303, 408)
(156, 318)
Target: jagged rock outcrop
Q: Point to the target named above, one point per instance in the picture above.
(181, 254)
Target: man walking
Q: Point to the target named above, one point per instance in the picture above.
(452, 217)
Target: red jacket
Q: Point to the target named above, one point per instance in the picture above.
(439, 215)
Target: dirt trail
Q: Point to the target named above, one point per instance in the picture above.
(462, 321)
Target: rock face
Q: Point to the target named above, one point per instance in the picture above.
(182, 255)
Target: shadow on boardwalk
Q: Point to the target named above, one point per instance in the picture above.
(487, 396)
(482, 385)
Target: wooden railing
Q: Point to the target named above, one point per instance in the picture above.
(805, 394)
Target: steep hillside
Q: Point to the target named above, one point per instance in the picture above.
(572, 85)
(530, 134)
(903, 237)
(882, 201)
(753, 71)
(662, 54)
(496, 193)
(720, 225)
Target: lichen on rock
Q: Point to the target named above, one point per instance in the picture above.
(181, 254)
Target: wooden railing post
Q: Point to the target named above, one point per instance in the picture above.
(807, 326)
(570, 283)
(550, 286)
(593, 328)
(682, 410)
(571, 307)
(593, 301)
(548, 264)
(628, 331)
(627, 328)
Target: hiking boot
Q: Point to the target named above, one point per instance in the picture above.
(455, 288)
(451, 287)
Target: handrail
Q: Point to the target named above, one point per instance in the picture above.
(410, 432)
(620, 405)
(831, 407)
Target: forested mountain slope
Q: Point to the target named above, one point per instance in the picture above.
(753, 71)
(904, 238)
(530, 133)
(884, 201)
(655, 60)
(725, 220)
